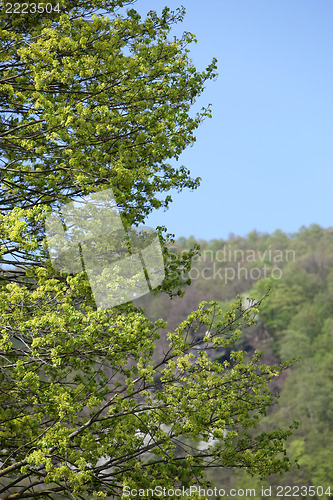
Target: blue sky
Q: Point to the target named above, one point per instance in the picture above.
(266, 156)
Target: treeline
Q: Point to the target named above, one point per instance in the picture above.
(295, 321)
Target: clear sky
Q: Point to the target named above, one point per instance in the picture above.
(266, 156)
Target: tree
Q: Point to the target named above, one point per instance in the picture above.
(93, 97)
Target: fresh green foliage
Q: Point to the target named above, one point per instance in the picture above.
(87, 410)
(90, 102)
(93, 97)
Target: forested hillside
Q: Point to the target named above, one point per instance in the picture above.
(295, 320)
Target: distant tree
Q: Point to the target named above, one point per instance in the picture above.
(88, 102)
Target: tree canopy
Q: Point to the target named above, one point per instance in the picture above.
(90, 102)
(94, 97)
